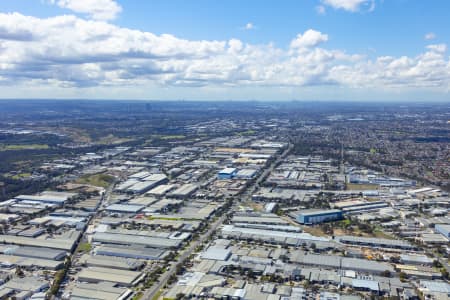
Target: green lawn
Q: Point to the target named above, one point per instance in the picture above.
(84, 247)
(7, 147)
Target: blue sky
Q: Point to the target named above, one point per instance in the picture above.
(269, 50)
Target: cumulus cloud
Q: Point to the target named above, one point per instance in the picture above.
(249, 26)
(96, 9)
(310, 38)
(350, 5)
(68, 51)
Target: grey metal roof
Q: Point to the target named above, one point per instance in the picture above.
(129, 239)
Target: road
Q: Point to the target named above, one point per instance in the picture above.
(249, 192)
(150, 293)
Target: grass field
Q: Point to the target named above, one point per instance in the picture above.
(84, 247)
(21, 175)
(100, 180)
(170, 137)
(7, 147)
(113, 140)
(157, 295)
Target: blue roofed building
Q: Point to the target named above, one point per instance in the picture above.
(316, 216)
(227, 173)
(443, 229)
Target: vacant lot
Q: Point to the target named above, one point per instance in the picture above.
(100, 180)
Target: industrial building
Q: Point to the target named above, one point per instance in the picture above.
(111, 262)
(124, 208)
(48, 197)
(184, 191)
(355, 206)
(272, 237)
(33, 252)
(60, 243)
(375, 242)
(227, 173)
(136, 252)
(132, 239)
(339, 262)
(100, 291)
(246, 174)
(443, 229)
(216, 253)
(314, 216)
(120, 277)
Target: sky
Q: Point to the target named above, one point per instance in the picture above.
(358, 50)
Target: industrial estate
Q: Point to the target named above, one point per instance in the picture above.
(220, 208)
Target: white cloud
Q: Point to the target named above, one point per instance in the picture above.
(96, 9)
(66, 51)
(310, 38)
(249, 26)
(440, 48)
(430, 36)
(350, 5)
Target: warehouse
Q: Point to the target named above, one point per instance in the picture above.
(111, 262)
(315, 216)
(12, 260)
(132, 239)
(184, 191)
(28, 283)
(246, 174)
(216, 253)
(161, 189)
(338, 262)
(417, 259)
(120, 277)
(267, 220)
(270, 236)
(131, 252)
(359, 205)
(270, 207)
(443, 229)
(124, 208)
(375, 242)
(49, 197)
(33, 252)
(100, 291)
(126, 184)
(142, 187)
(227, 173)
(158, 178)
(286, 228)
(55, 243)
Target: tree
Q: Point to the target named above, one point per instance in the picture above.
(19, 271)
(402, 276)
(436, 264)
(395, 259)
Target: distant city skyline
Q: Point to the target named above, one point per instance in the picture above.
(357, 50)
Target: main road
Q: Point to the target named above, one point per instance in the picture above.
(162, 281)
